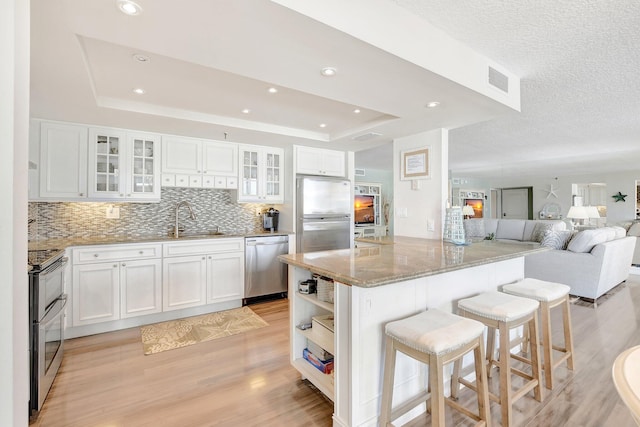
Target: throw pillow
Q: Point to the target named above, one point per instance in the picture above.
(585, 240)
(555, 239)
(474, 228)
(539, 231)
(634, 230)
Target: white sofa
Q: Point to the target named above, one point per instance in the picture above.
(594, 262)
(514, 230)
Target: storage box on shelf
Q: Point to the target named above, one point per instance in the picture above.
(309, 309)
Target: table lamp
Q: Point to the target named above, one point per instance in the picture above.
(577, 213)
(467, 211)
(592, 212)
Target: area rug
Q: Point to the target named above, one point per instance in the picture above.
(193, 330)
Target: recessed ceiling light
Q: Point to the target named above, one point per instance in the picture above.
(129, 7)
(328, 71)
(273, 90)
(357, 111)
(433, 104)
(140, 57)
(139, 91)
(246, 111)
(323, 125)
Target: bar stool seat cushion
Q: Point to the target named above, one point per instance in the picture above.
(434, 331)
(537, 289)
(499, 306)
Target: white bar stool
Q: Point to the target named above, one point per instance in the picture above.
(436, 338)
(503, 312)
(626, 377)
(550, 295)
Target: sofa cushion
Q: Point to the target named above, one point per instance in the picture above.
(611, 233)
(512, 229)
(620, 232)
(585, 240)
(556, 239)
(634, 230)
(539, 231)
(474, 228)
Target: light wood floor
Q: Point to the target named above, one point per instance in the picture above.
(246, 380)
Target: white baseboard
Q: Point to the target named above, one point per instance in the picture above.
(634, 270)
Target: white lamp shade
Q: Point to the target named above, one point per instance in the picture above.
(468, 210)
(577, 212)
(592, 212)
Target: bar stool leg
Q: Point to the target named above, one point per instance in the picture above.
(387, 382)
(504, 364)
(535, 356)
(436, 379)
(547, 343)
(482, 388)
(491, 352)
(568, 334)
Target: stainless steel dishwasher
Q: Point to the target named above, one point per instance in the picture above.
(264, 275)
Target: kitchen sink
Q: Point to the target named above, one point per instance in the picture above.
(188, 235)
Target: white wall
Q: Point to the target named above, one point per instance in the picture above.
(14, 137)
(616, 211)
(426, 204)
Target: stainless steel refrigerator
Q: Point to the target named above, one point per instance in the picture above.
(324, 210)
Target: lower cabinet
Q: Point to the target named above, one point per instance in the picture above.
(114, 290)
(118, 282)
(140, 287)
(215, 273)
(184, 282)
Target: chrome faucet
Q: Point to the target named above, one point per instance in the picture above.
(191, 214)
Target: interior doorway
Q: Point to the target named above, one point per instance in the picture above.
(517, 203)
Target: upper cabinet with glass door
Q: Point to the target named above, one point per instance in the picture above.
(144, 179)
(123, 166)
(261, 174)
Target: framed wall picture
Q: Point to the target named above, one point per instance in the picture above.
(415, 164)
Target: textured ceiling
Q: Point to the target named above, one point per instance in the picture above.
(579, 63)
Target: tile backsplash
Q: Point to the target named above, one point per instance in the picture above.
(213, 208)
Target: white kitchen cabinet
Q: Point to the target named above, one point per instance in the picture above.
(261, 172)
(202, 272)
(111, 282)
(96, 293)
(184, 282)
(225, 277)
(319, 161)
(191, 162)
(140, 287)
(123, 165)
(63, 161)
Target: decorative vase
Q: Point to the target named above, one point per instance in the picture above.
(453, 226)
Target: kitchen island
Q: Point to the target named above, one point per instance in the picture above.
(374, 285)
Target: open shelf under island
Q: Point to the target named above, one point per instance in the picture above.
(377, 284)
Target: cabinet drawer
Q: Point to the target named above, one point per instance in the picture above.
(168, 180)
(202, 247)
(208, 181)
(182, 180)
(94, 254)
(195, 181)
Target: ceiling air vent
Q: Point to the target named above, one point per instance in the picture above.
(366, 136)
(498, 80)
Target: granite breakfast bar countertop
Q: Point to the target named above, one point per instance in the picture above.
(398, 258)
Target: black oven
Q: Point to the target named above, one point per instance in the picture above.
(47, 302)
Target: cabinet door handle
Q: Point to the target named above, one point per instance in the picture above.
(115, 265)
(121, 195)
(124, 265)
(210, 257)
(203, 258)
(95, 255)
(128, 195)
(141, 252)
(81, 194)
(204, 171)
